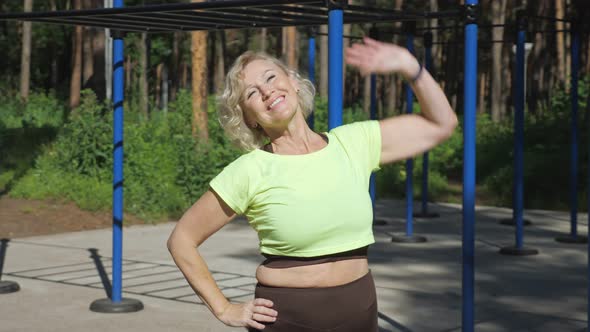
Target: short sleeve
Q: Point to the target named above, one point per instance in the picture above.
(362, 140)
(233, 186)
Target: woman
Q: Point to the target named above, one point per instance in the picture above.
(305, 193)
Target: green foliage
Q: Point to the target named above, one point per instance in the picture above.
(41, 110)
(165, 168)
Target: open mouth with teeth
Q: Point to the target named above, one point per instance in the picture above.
(276, 102)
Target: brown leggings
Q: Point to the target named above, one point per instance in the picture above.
(350, 307)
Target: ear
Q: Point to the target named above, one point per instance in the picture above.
(294, 82)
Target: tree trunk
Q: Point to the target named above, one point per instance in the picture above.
(54, 58)
(199, 83)
(159, 69)
(367, 94)
(498, 17)
(536, 65)
(391, 80)
(220, 60)
(434, 23)
(290, 46)
(174, 66)
(482, 92)
(263, 37)
(25, 63)
(87, 49)
(323, 62)
(143, 74)
(559, 12)
(76, 78)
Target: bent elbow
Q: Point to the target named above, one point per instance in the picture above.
(170, 243)
(451, 125)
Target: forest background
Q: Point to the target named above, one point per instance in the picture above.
(56, 117)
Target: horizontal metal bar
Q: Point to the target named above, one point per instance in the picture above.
(149, 21)
(154, 8)
(82, 22)
(189, 21)
(264, 14)
(209, 17)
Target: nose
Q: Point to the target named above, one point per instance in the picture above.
(266, 90)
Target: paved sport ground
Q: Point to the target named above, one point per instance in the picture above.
(418, 285)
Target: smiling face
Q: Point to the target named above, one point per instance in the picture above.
(269, 98)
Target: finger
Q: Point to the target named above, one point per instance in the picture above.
(263, 318)
(263, 302)
(265, 311)
(255, 324)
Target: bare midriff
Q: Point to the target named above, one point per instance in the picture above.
(312, 276)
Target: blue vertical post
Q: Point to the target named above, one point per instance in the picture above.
(118, 91)
(518, 183)
(311, 65)
(424, 192)
(409, 161)
(116, 304)
(470, 91)
(335, 63)
(410, 28)
(573, 237)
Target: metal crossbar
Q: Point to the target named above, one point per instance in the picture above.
(218, 15)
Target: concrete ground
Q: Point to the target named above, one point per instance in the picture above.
(418, 285)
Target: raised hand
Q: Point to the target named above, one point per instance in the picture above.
(249, 314)
(376, 57)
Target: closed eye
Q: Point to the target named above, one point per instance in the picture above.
(270, 78)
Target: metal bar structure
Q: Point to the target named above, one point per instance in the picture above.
(573, 236)
(217, 15)
(311, 71)
(470, 103)
(424, 213)
(409, 161)
(409, 236)
(335, 70)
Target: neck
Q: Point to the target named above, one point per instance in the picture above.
(297, 138)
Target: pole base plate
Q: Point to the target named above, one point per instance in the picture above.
(108, 306)
(8, 287)
(578, 239)
(512, 222)
(408, 239)
(515, 251)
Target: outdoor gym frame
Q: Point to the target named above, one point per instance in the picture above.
(235, 14)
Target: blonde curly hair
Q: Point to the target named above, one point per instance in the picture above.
(231, 115)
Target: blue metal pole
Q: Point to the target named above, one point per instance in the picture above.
(409, 161)
(519, 138)
(574, 128)
(311, 64)
(428, 65)
(470, 93)
(335, 63)
(373, 116)
(118, 96)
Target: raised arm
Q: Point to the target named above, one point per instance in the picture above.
(408, 135)
(209, 214)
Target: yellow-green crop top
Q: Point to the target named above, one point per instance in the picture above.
(308, 205)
